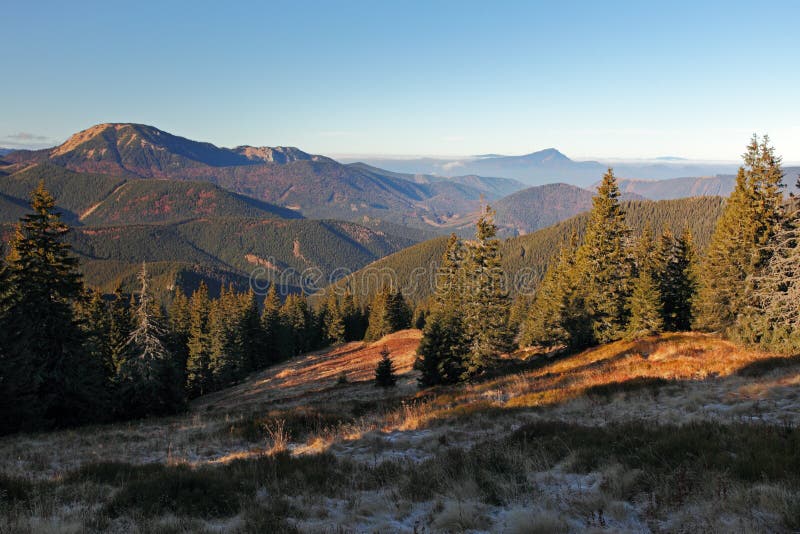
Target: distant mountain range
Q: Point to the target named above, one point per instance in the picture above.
(200, 212)
(719, 185)
(315, 186)
(549, 166)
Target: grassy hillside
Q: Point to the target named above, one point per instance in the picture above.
(680, 433)
(525, 258)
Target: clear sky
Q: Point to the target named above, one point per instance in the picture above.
(594, 79)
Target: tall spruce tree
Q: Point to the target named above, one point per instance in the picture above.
(737, 250)
(149, 383)
(180, 324)
(645, 305)
(96, 323)
(335, 326)
(251, 335)
(558, 316)
(677, 280)
(772, 318)
(47, 378)
(605, 264)
(120, 326)
(486, 298)
(443, 348)
(388, 312)
(299, 321)
(198, 366)
(276, 341)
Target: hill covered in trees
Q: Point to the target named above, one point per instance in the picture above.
(526, 258)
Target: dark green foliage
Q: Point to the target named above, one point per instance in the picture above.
(677, 280)
(198, 367)
(388, 312)
(557, 316)
(486, 301)
(298, 318)
(737, 250)
(444, 344)
(772, 316)
(604, 262)
(75, 192)
(47, 378)
(385, 376)
(646, 311)
(440, 355)
(334, 320)
(148, 382)
(277, 339)
(525, 259)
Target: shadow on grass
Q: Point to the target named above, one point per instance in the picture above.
(767, 365)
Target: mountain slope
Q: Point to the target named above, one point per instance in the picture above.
(541, 206)
(153, 201)
(316, 186)
(525, 258)
(718, 185)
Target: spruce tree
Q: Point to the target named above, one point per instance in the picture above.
(443, 348)
(120, 326)
(388, 313)
(605, 264)
(96, 323)
(772, 318)
(47, 378)
(677, 280)
(198, 366)
(335, 326)
(385, 376)
(225, 348)
(251, 335)
(149, 383)
(298, 320)
(645, 306)
(737, 250)
(180, 323)
(558, 316)
(486, 299)
(276, 340)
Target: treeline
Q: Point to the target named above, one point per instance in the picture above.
(69, 356)
(606, 284)
(609, 285)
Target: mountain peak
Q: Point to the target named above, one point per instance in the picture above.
(276, 154)
(549, 155)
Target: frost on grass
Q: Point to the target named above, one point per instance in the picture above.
(636, 436)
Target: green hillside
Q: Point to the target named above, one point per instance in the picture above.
(170, 200)
(525, 258)
(75, 192)
(295, 249)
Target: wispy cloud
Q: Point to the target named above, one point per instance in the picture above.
(26, 140)
(26, 136)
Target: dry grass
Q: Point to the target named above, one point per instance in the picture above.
(446, 459)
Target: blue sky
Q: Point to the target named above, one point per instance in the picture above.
(594, 79)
